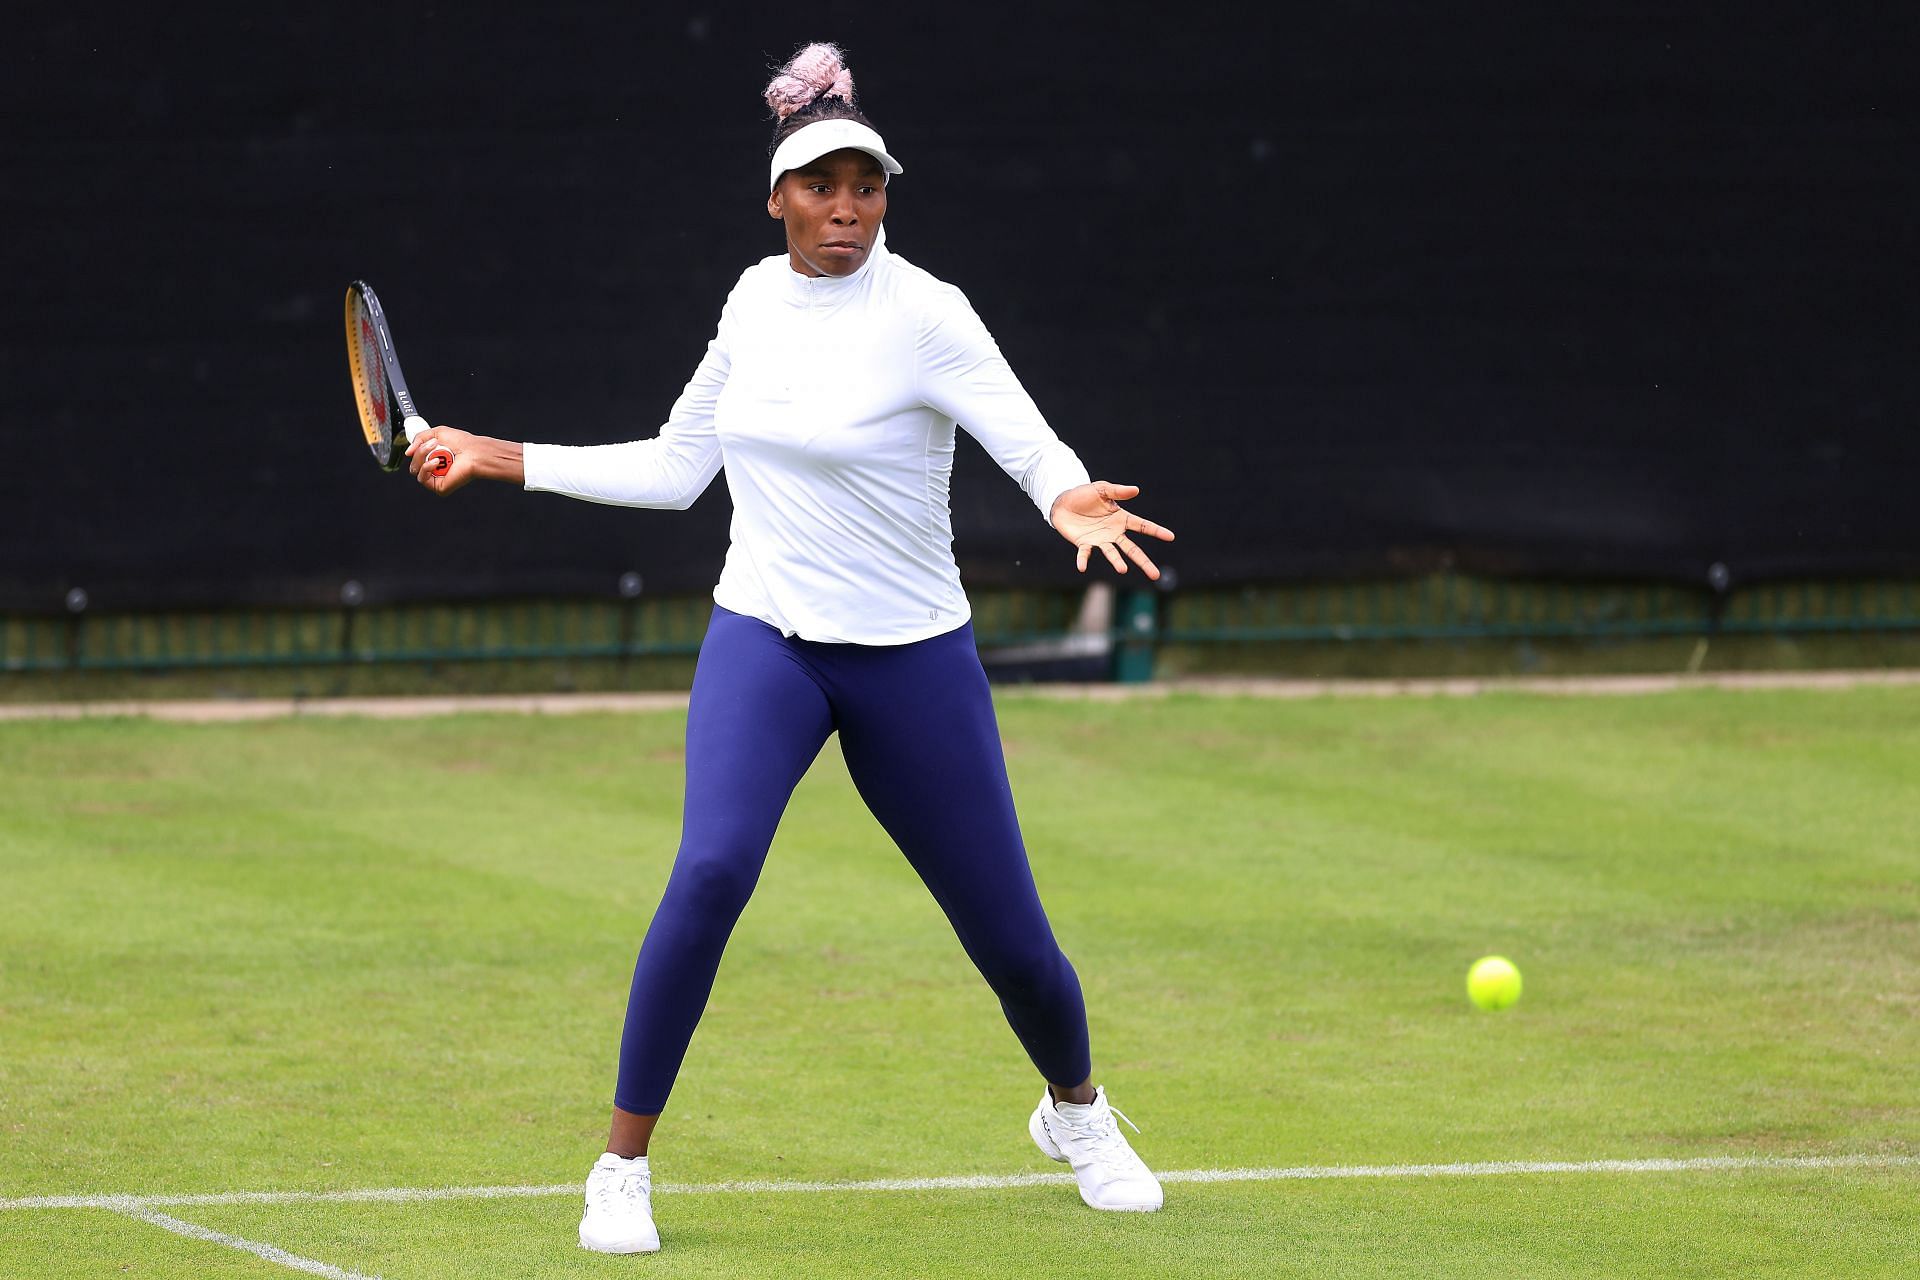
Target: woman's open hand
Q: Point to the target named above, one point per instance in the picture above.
(1089, 516)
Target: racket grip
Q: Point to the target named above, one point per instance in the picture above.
(439, 458)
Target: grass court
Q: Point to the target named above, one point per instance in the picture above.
(317, 957)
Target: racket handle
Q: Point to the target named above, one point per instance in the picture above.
(439, 458)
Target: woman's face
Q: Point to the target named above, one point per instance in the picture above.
(832, 209)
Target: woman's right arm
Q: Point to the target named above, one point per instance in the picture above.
(668, 471)
(474, 458)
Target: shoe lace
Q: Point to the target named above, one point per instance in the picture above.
(616, 1193)
(1105, 1142)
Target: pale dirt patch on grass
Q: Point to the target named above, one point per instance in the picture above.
(232, 709)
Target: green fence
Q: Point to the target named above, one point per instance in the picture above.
(479, 631)
(1459, 608)
(1445, 607)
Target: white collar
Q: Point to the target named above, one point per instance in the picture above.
(814, 287)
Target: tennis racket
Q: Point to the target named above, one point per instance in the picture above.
(380, 389)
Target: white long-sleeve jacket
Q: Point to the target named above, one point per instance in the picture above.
(832, 404)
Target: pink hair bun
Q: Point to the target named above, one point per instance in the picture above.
(817, 71)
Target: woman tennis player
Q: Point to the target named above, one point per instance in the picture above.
(830, 396)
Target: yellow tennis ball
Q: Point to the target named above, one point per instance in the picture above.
(1493, 982)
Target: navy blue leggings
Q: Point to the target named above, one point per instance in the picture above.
(917, 729)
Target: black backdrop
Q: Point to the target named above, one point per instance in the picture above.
(1351, 289)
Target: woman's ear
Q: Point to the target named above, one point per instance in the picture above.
(773, 203)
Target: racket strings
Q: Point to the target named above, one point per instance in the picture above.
(372, 391)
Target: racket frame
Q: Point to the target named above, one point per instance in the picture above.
(363, 304)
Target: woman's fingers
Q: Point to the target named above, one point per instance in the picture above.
(425, 464)
(441, 458)
(1137, 525)
(1139, 557)
(417, 451)
(1109, 533)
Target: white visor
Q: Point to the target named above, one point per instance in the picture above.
(808, 144)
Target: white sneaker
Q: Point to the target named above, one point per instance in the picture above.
(619, 1217)
(1110, 1175)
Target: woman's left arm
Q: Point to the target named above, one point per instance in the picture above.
(961, 373)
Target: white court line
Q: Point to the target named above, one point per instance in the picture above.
(985, 1182)
(270, 1253)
